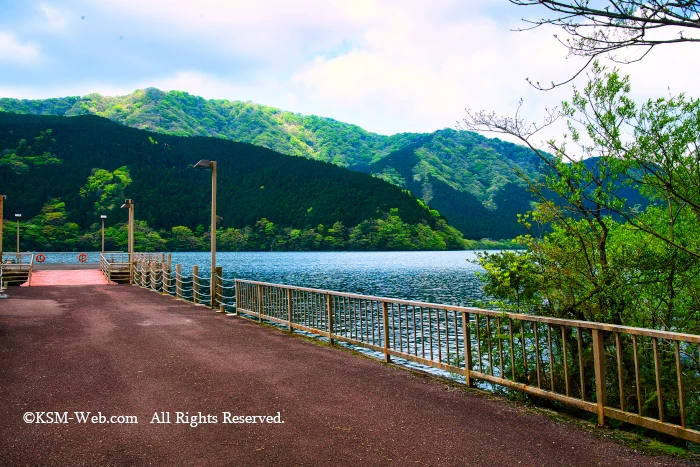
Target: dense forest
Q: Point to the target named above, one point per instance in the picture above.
(469, 178)
(62, 173)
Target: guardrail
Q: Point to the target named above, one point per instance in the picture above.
(116, 266)
(16, 264)
(70, 257)
(645, 377)
(154, 271)
(641, 376)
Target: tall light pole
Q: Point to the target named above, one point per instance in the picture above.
(2, 198)
(129, 204)
(103, 217)
(18, 216)
(207, 164)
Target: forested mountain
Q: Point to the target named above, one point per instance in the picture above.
(467, 177)
(62, 173)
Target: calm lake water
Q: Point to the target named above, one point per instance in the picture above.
(447, 277)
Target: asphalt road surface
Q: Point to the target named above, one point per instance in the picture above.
(128, 355)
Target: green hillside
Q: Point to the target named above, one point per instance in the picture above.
(467, 177)
(61, 173)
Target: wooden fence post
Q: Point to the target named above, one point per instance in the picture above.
(260, 302)
(599, 364)
(236, 294)
(178, 281)
(163, 290)
(329, 309)
(219, 288)
(385, 320)
(289, 310)
(153, 276)
(466, 334)
(170, 277)
(195, 284)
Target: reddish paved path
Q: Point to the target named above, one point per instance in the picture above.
(127, 351)
(68, 277)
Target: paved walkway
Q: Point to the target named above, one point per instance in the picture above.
(68, 277)
(120, 350)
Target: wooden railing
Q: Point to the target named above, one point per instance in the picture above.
(116, 266)
(72, 257)
(17, 265)
(154, 271)
(644, 377)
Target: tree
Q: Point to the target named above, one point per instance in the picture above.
(599, 167)
(618, 24)
(606, 256)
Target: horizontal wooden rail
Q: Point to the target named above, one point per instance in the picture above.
(516, 316)
(630, 374)
(645, 377)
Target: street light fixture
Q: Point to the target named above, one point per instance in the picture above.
(18, 216)
(207, 164)
(103, 217)
(129, 204)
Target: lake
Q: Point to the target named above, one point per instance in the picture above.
(447, 277)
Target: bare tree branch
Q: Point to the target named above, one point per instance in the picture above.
(620, 24)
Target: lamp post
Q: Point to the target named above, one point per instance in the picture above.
(207, 164)
(103, 217)
(2, 198)
(18, 216)
(129, 204)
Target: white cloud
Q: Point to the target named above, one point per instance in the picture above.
(386, 65)
(200, 84)
(19, 91)
(417, 70)
(12, 50)
(265, 30)
(54, 19)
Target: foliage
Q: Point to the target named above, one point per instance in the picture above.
(460, 173)
(603, 258)
(107, 188)
(267, 201)
(32, 153)
(49, 231)
(594, 255)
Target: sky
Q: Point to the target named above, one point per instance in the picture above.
(388, 66)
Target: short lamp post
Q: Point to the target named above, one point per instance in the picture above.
(129, 204)
(18, 216)
(103, 217)
(207, 164)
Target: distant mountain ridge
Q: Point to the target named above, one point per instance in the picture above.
(62, 173)
(469, 178)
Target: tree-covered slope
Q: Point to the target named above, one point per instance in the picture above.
(479, 169)
(182, 114)
(65, 172)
